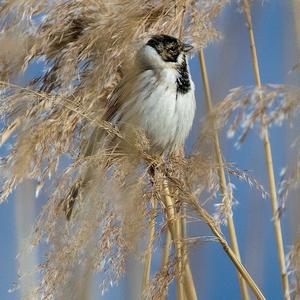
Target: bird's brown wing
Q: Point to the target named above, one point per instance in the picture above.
(119, 96)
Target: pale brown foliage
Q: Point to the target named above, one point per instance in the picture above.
(85, 47)
(294, 260)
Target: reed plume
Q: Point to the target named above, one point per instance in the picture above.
(82, 49)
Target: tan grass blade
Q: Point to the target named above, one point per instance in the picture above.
(208, 219)
(149, 249)
(269, 162)
(296, 12)
(222, 178)
(6, 134)
(174, 228)
(184, 269)
(27, 258)
(181, 215)
(166, 254)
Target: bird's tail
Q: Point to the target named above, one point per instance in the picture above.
(93, 145)
(69, 201)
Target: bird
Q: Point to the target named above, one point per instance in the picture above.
(157, 96)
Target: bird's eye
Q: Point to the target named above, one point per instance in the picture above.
(172, 50)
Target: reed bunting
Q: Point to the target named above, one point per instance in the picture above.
(157, 97)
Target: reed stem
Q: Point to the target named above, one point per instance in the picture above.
(207, 218)
(181, 215)
(221, 172)
(185, 284)
(172, 220)
(269, 161)
(148, 257)
(166, 253)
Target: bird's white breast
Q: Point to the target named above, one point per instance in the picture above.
(156, 106)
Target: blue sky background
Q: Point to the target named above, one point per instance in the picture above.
(229, 65)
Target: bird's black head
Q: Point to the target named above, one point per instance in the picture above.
(168, 47)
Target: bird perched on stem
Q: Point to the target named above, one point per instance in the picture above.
(157, 97)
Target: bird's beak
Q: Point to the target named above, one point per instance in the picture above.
(187, 47)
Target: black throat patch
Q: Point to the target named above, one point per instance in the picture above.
(183, 81)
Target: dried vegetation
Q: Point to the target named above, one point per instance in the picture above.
(84, 48)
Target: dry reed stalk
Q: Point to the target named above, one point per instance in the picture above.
(221, 172)
(209, 220)
(294, 255)
(181, 218)
(185, 288)
(166, 254)
(192, 199)
(296, 12)
(184, 274)
(87, 47)
(149, 249)
(294, 260)
(181, 27)
(188, 281)
(269, 162)
(172, 217)
(27, 258)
